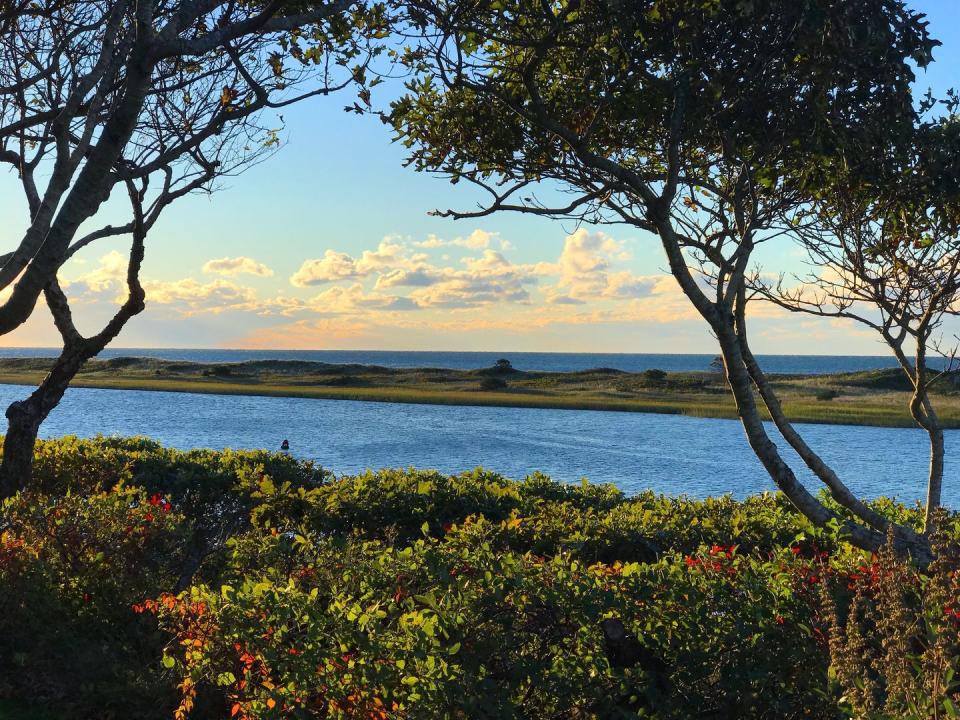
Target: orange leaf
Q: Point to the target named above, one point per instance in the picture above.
(235, 709)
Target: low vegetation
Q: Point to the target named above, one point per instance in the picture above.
(140, 581)
(875, 397)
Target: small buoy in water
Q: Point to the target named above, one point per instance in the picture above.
(285, 446)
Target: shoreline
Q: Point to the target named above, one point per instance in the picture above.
(870, 398)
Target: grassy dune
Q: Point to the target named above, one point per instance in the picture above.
(865, 398)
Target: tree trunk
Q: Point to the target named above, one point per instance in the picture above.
(24, 418)
(838, 490)
(23, 424)
(935, 477)
(719, 314)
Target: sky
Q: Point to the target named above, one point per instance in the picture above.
(330, 244)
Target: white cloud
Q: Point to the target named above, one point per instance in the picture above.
(337, 266)
(191, 297)
(106, 277)
(476, 240)
(340, 300)
(585, 272)
(334, 266)
(236, 266)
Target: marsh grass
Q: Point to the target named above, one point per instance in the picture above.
(867, 398)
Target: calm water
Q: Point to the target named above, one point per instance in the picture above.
(668, 453)
(555, 362)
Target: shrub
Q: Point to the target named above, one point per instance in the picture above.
(414, 594)
(451, 627)
(655, 375)
(493, 383)
(895, 635)
(827, 394)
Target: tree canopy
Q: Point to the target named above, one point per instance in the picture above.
(701, 121)
(156, 98)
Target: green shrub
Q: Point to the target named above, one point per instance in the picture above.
(493, 383)
(451, 627)
(655, 375)
(140, 581)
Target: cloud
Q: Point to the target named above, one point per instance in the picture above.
(236, 266)
(487, 279)
(380, 288)
(484, 279)
(106, 282)
(420, 277)
(106, 278)
(191, 297)
(337, 266)
(342, 300)
(309, 334)
(476, 240)
(585, 271)
(332, 267)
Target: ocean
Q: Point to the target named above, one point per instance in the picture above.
(542, 361)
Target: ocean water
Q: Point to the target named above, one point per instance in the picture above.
(551, 362)
(667, 453)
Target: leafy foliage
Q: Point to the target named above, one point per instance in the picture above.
(404, 594)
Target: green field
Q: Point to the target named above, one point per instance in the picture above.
(877, 397)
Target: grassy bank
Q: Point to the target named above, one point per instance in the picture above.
(864, 398)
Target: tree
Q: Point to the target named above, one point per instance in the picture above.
(701, 121)
(157, 99)
(886, 256)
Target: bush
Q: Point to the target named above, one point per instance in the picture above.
(145, 582)
(493, 383)
(895, 637)
(827, 394)
(655, 375)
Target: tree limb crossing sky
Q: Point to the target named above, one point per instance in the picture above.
(329, 245)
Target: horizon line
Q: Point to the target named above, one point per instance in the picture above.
(476, 352)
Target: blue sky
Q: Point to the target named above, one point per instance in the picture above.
(291, 235)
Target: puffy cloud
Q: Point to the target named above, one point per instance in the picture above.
(390, 253)
(337, 266)
(476, 240)
(236, 266)
(487, 279)
(585, 253)
(420, 277)
(342, 300)
(378, 288)
(190, 297)
(332, 267)
(584, 271)
(106, 277)
(106, 282)
(466, 291)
